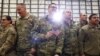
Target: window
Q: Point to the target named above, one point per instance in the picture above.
(39, 7)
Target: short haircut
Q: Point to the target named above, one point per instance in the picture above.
(82, 14)
(22, 4)
(51, 4)
(8, 18)
(90, 17)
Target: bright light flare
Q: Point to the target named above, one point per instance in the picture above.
(57, 17)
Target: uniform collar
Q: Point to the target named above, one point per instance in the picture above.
(7, 27)
(93, 26)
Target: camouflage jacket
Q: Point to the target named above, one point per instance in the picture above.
(7, 40)
(51, 45)
(24, 27)
(83, 22)
(70, 38)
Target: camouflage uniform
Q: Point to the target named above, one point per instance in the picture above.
(7, 41)
(49, 46)
(70, 39)
(83, 22)
(90, 40)
(24, 26)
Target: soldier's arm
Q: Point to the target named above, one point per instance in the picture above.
(81, 41)
(37, 27)
(36, 33)
(40, 29)
(8, 44)
(60, 41)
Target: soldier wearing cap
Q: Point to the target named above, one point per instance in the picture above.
(54, 39)
(83, 19)
(70, 35)
(24, 26)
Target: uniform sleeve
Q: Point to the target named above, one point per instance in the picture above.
(60, 45)
(8, 44)
(81, 41)
(60, 42)
(38, 28)
(37, 31)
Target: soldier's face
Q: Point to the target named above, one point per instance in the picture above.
(95, 20)
(21, 10)
(83, 17)
(68, 14)
(52, 8)
(4, 21)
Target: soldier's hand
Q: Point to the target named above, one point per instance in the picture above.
(83, 55)
(57, 33)
(32, 51)
(56, 55)
(49, 34)
(30, 55)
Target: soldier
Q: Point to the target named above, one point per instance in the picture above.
(7, 37)
(89, 36)
(70, 35)
(52, 43)
(83, 19)
(24, 26)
